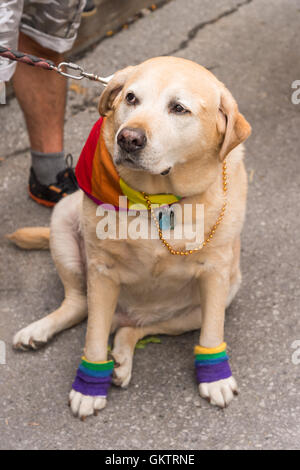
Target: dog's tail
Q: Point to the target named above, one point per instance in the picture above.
(31, 238)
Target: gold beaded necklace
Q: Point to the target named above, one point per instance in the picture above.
(212, 231)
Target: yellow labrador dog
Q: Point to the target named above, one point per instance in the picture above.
(170, 125)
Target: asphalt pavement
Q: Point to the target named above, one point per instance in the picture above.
(253, 47)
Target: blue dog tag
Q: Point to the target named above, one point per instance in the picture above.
(166, 218)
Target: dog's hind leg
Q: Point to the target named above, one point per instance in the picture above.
(67, 253)
(127, 337)
(72, 311)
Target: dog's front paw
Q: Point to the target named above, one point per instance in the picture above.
(214, 377)
(219, 393)
(33, 336)
(84, 406)
(90, 387)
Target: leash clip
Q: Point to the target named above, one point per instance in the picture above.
(82, 74)
(70, 65)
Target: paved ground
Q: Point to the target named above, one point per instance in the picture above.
(253, 46)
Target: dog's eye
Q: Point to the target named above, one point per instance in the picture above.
(178, 109)
(131, 98)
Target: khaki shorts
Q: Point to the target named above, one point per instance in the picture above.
(51, 23)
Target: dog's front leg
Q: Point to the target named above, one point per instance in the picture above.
(94, 374)
(213, 371)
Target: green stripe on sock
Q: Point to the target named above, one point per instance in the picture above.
(204, 357)
(106, 366)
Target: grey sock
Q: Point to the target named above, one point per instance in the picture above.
(47, 165)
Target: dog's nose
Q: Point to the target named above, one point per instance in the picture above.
(132, 139)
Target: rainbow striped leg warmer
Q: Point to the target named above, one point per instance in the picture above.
(211, 364)
(93, 378)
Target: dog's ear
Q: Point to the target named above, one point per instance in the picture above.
(112, 90)
(231, 124)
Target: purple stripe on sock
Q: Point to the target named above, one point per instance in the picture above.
(93, 380)
(93, 386)
(91, 389)
(213, 372)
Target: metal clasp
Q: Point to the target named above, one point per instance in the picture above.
(82, 74)
(70, 65)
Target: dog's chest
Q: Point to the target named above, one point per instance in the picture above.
(151, 262)
(156, 285)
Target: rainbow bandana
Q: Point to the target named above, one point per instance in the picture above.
(98, 177)
(211, 364)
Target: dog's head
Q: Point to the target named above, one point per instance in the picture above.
(168, 111)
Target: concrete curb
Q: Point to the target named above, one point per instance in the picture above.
(109, 17)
